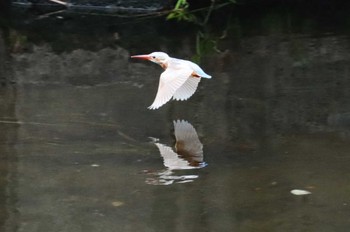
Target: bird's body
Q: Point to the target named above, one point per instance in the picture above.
(179, 80)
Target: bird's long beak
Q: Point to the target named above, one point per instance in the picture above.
(142, 57)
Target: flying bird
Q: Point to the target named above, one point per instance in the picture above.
(179, 80)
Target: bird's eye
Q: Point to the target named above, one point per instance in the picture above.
(153, 57)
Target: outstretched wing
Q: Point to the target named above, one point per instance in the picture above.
(170, 81)
(187, 89)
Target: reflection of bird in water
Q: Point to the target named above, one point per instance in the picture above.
(189, 150)
(179, 80)
(188, 154)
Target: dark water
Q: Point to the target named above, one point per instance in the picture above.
(77, 141)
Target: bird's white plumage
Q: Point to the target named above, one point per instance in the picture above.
(170, 81)
(187, 89)
(196, 69)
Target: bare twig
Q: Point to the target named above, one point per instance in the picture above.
(51, 13)
(59, 2)
(211, 8)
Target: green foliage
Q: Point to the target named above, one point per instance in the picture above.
(205, 42)
(180, 12)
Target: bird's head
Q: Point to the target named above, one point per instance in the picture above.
(160, 58)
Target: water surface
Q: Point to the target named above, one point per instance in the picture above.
(78, 142)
